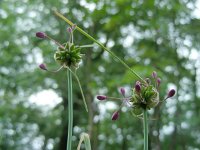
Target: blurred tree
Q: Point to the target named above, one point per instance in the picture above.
(154, 35)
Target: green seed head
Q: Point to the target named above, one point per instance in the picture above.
(147, 98)
(69, 56)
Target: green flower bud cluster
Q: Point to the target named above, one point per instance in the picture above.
(69, 55)
(145, 98)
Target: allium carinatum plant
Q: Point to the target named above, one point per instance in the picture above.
(145, 92)
(145, 96)
(68, 56)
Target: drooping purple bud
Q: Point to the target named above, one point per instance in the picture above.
(69, 29)
(158, 81)
(154, 74)
(43, 66)
(171, 93)
(122, 90)
(101, 97)
(137, 87)
(41, 35)
(115, 115)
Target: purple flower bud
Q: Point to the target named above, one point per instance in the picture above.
(69, 29)
(43, 66)
(41, 35)
(137, 87)
(101, 97)
(171, 93)
(115, 115)
(122, 90)
(158, 81)
(154, 74)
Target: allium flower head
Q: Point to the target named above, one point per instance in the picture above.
(69, 56)
(145, 96)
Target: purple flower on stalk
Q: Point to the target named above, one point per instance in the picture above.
(41, 35)
(171, 93)
(69, 29)
(101, 97)
(122, 90)
(43, 66)
(154, 74)
(137, 86)
(158, 81)
(115, 115)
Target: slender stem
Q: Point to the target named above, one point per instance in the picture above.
(79, 84)
(145, 125)
(86, 46)
(100, 44)
(70, 110)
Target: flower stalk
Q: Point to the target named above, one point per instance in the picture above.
(70, 110)
(145, 126)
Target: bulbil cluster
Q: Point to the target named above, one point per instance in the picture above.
(145, 95)
(68, 55)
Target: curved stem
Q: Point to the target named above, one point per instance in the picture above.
(79, 84)
(70, 110)
(100, 44)
(145, 125)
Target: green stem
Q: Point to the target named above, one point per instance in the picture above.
(145, 125)
(70, 110)
(86, 46)
(79, 84)
(100, 44)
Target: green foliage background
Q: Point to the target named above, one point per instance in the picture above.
(149, 35)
